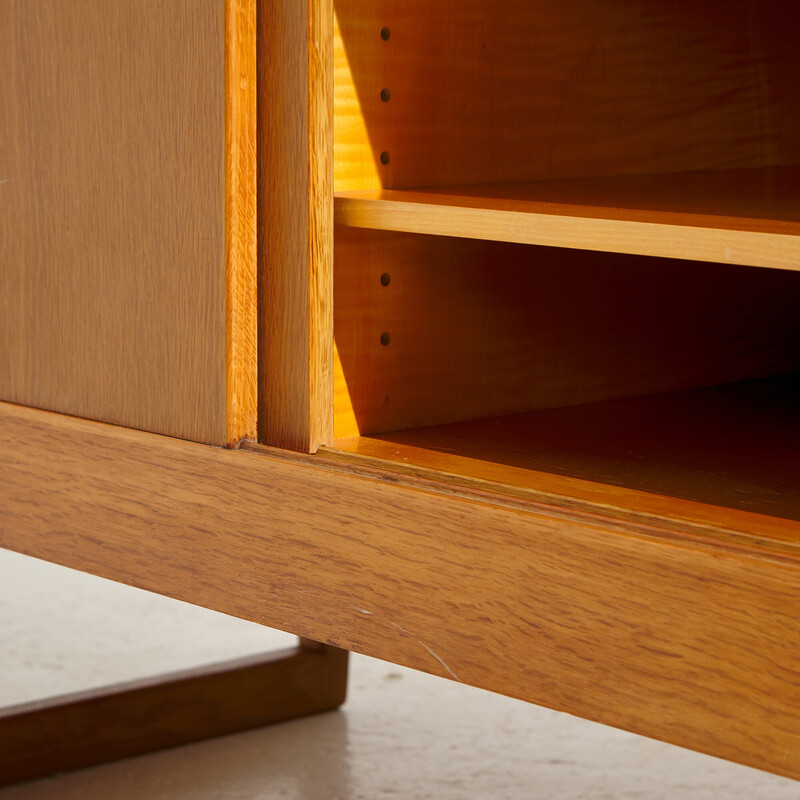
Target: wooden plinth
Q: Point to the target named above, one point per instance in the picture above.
(70, 732)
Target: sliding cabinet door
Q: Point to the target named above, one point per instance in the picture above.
(127, 212)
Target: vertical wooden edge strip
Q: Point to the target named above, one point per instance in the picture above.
(283, 223)
(320, 250)
(295, 223)
(240, 221)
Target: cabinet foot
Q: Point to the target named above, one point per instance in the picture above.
(84, 729)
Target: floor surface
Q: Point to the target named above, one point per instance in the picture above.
(401, 734)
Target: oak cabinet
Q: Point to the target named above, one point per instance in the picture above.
(508, 381)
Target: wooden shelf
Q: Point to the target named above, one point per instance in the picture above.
(734, 446)
(745, 216)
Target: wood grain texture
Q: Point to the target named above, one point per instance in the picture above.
(479, 329)
(543, 90)
(240, 220)
(296, 224)
(671, 632)
(688, 520)
(733, 445)
(749, 217)
(71, 732)
(115, 196)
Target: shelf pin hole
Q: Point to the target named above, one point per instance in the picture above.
(385, 95)
(385, 157)
(385, 279)
(385, 34)
(385, 338)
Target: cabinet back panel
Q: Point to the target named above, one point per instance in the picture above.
(538, 89)
(481, 329)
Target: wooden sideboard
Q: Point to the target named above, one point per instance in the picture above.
(459, 335)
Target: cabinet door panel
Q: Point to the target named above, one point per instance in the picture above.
(127, 200)
(296, 223)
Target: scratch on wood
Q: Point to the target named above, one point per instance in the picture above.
(440, 661)
(400, 628)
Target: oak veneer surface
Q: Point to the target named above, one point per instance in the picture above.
(666, 626)
(127, 199)
(538, 89)
(733, 445)
(479, 329)
(296, 224)
(729, 216)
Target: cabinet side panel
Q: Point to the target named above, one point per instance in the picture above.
(295, 223)
(112, 196)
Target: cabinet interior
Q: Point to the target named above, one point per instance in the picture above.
(566, 242)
